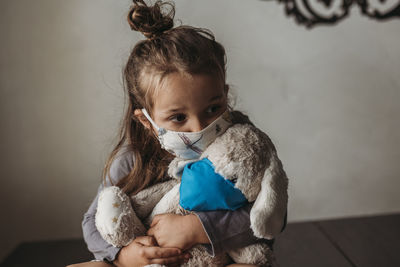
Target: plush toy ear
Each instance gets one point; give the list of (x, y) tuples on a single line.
[(115, 218), (268, 212)]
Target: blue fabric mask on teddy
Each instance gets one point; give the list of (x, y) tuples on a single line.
[(202, 189)]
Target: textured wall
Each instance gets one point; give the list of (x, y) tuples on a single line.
[(329, 99)]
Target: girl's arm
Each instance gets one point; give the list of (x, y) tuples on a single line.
[(140, 251), (219, 230), (96, 244), (227, 230)]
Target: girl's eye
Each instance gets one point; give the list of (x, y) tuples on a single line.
[(178, 118), (213, 109)]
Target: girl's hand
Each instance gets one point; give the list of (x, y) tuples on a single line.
[(144, 250), (173, 230)]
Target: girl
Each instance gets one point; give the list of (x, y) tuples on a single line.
[(178, 76)]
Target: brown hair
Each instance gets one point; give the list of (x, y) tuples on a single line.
[(183, 49)]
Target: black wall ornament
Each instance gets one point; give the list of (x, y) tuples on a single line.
[(313, 12)]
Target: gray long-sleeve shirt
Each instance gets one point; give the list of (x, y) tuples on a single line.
[(225, 229)]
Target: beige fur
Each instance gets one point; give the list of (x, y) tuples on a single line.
[(244, 154), (252, 161), (116, 221)]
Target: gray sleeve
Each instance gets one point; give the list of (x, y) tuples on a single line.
[(95, 243), (227, 230)]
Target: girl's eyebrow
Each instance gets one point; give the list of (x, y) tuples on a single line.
[(176, 109), (215, 97), (172, 110)]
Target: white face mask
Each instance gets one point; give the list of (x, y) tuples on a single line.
[(190, 145)]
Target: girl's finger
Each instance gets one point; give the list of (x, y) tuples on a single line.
[(147, 241), (155, 220), (150, 232)]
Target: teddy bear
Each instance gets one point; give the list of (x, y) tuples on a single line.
[(244, 156)]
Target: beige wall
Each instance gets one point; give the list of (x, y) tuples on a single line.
[(329, 99)]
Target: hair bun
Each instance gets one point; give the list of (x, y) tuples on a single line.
[(151, 21)]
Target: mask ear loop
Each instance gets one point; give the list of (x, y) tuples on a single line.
[(160, 130)]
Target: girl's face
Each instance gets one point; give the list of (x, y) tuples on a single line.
[(187, 103)]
